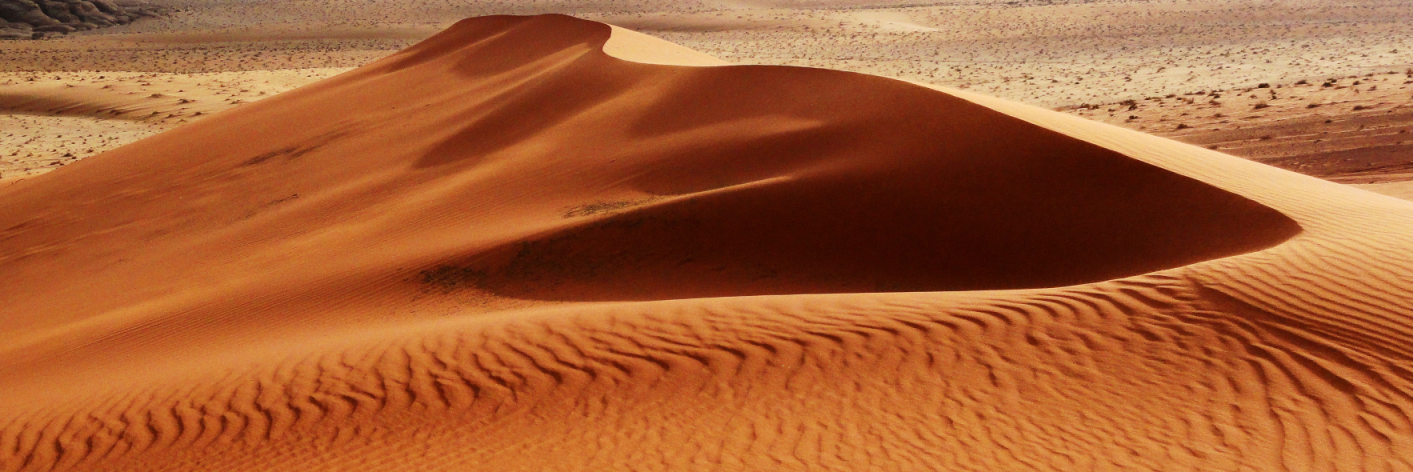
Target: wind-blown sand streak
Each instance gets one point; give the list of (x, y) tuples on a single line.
[(505, 249)]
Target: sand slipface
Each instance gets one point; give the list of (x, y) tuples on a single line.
[(508, 249)]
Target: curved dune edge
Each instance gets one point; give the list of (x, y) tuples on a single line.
[(1292, 357), (633, 46)]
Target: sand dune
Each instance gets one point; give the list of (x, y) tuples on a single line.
[(531, 243), (55, 118), (143, 96), (103, 101), (1053, 54)]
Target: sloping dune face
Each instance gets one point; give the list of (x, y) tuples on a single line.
[(504, 249), (515, 154)]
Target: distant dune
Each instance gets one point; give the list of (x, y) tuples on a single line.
[(544, 243)]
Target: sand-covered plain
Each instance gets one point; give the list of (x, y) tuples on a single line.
[(1353, 129)]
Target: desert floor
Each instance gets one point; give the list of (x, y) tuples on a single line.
[(1356, 130)]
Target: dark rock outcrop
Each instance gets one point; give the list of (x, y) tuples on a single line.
[(36, 19)]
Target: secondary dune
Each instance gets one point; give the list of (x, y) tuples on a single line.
[(150, 97), (53, 118), (507, 249)]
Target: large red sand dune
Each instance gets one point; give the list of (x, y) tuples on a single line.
[(506, 249)]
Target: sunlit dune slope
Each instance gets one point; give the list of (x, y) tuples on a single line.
[(506, 249)]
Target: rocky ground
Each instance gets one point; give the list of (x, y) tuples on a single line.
[(38, 19)]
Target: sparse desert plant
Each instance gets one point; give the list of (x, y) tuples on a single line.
[(1260, 105)]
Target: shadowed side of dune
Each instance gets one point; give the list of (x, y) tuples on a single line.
[(990, 222), (513, 156), (772, 180)]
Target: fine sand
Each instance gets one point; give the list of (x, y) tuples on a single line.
[(534, 243)]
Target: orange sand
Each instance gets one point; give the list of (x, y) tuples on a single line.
[(506, 249)]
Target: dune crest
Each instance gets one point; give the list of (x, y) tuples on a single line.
[(541, 243), (633, 46)]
